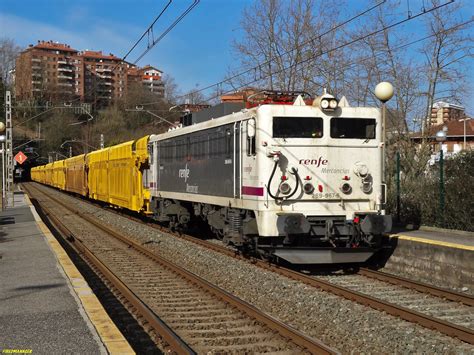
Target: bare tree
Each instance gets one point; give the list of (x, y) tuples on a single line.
[(8, 52), (445, 56), (171, 89), (194, 96), (281, 41)]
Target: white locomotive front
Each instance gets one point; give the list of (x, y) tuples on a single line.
[(301, 181)]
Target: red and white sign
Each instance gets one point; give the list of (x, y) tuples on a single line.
[(20, 157)]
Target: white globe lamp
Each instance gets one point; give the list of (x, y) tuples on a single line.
[(384, 91)]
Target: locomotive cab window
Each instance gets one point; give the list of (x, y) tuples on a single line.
[(297, 127), (358, 128)]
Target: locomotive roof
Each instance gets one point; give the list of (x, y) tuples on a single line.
[(349, 112), (233, 117)]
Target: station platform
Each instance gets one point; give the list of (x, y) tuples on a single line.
[(46, 306), (438, 256), (438, 236)]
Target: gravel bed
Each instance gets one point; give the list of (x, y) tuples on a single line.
[(337, 322), (438, 307)]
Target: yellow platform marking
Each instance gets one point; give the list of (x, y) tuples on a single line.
[(433, 242), (108, 332)]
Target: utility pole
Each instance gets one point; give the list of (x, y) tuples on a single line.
[(9, 143)]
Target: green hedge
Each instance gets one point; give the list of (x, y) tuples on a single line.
[(420, 191)]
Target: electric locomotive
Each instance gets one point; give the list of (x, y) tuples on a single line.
[(281, 175)]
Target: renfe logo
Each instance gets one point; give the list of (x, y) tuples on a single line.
[(317, 162), (184, 173)]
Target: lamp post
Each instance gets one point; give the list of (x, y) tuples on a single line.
[(441, 137), (384, 92)]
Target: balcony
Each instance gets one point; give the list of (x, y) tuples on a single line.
[(36, 67), (36, 75), (36, 60), (65, 69), (65, 84), (105, 75), (65, 77), (104, 90), (36, 82), (100, 70)]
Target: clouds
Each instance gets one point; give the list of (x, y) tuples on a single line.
[(81, 33), (193, 52)]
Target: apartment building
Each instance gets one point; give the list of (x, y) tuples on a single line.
[(46, 70), (101, 77), (442, 112), (151, 79), (53, 71)]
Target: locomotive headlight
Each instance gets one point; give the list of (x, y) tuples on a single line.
[(284, 188), (346, 188), (366, 187), (324, 104), (308, 188), (361, 170)]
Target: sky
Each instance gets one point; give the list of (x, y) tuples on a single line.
[(197, 52)]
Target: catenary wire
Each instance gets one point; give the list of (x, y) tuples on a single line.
[(356, 40), (310, 41)]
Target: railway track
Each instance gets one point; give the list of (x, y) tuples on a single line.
[(448, 312), (185, 312)]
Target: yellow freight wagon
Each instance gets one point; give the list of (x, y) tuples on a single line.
[(48, 174), (35, 174), (126, 164), (59, 175), (40, 174), (76, 174), (97, 176)]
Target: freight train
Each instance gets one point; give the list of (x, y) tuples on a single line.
[(280, 175)]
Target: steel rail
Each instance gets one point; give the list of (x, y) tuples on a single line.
[(418, 286), (160, 327), (463, 333), (453, 330), (312, 345), (450, 329)]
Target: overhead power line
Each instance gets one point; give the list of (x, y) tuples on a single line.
[(398, 23), (319, 54), (148, 30), (302, 45), (149, 33)]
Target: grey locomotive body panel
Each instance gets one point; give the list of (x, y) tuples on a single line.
[(202, 162)]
